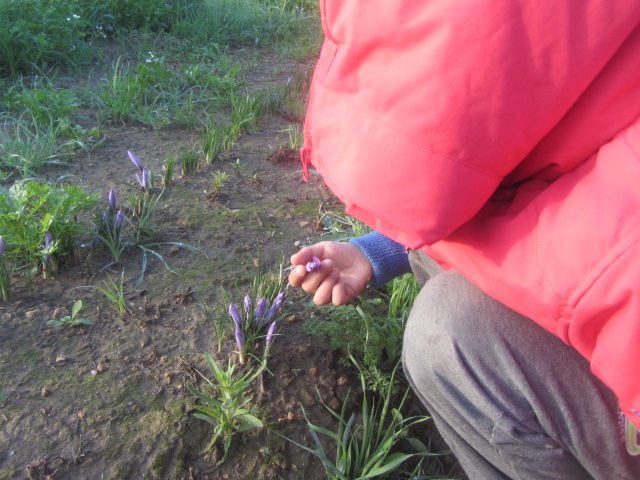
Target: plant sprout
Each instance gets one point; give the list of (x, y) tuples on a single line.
[(71, 320)]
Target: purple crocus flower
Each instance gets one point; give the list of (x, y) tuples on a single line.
[(112, 201), (143, 179), (135, 161), (273, 311), (240, 343), (235, 314), (1, 246), (247, 305), (279, 300), (313, 265), (119, 220), (48, 238), (259, 312), (271, 333)]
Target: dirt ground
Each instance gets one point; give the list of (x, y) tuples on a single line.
[(109, 401)]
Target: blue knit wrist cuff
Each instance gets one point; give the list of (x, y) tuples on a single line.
[(389, 259)]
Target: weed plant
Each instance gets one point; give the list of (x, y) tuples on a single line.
[(71, 320), (228, 409), (371, 330), (30, 209)]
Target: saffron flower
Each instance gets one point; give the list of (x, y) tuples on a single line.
[(247, 305), (119, 220), (273, 311), (143, 179), (48, 239), (271, 333), (313, 265), (235, 315), (112, 201), (135, 161), (258, 313)]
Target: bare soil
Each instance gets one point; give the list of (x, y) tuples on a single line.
[(109, 401)]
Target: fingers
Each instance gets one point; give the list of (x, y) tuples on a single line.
[(307, 253)]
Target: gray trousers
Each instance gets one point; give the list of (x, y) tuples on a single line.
[(511, 400)]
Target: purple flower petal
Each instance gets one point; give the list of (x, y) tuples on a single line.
[(239, 339), (119, 220), (313, 265), (135, 160), (112, 201), (248, 301), (235, 314), (271, 333), (259, 312)]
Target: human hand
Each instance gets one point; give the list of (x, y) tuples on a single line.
[(344, 272)]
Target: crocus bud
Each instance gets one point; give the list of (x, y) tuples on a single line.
[(235, 314), (119, 220), (143, 179), (313, 265), (112, 201), (135, 160), (271, 333), (259, 312), (240, 343), (279, 300), (1, 246), (48, 238), (247, 305)]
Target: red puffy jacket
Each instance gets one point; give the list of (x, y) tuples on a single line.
[(503, 137)]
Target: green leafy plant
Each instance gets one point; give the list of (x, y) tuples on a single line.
[(31, 209), (71, 320), (370, 330), (366, 447), (238, 166), (229, 410)]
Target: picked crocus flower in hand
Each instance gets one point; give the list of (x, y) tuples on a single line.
[(313, 265)]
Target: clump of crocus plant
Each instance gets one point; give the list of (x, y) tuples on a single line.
[(107, 228), (5, 279), (251, 324)]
